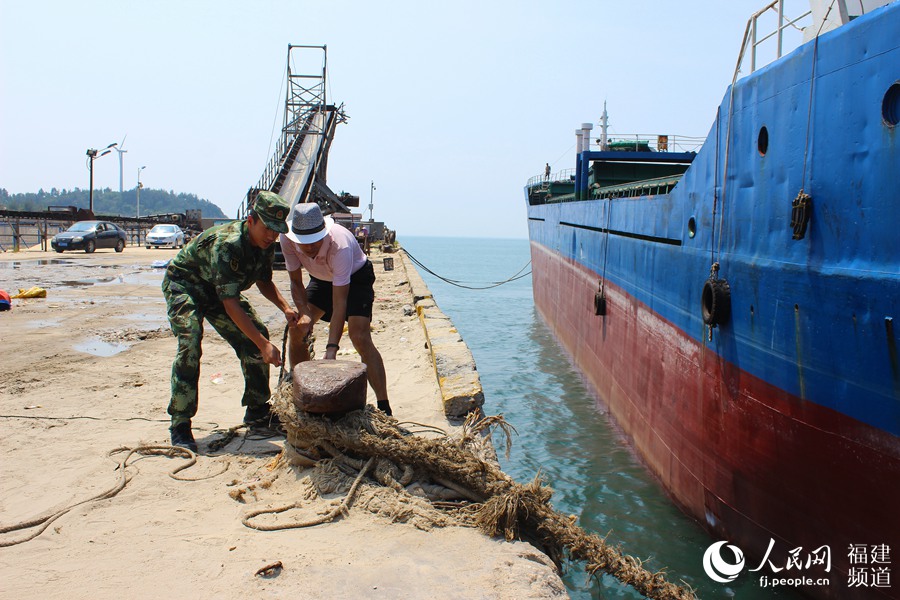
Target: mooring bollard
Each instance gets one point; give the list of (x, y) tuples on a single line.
[(329, 386)]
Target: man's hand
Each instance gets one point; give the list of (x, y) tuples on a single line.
[(270, 354), (292, 316), (302, 327)]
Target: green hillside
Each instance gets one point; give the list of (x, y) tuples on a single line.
[(109, 202)]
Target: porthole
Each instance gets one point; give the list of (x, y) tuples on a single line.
[(762, 141), (890, 106), (692, 227)]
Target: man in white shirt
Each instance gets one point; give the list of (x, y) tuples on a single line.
[(340, 289)]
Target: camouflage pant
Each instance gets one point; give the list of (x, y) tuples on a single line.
[(187, 307)]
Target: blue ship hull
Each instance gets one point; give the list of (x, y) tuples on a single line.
[(772, 410)]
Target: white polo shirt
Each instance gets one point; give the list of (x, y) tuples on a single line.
[(339, 257)]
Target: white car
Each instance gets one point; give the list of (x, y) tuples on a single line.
[(165, 235)]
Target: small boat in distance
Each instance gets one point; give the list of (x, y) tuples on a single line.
[(734, 305)]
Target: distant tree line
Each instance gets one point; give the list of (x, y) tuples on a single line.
[(109, 202)]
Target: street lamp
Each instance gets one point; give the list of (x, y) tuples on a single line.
[(92, 154), (371, 193), (140, 186), (138, 210)]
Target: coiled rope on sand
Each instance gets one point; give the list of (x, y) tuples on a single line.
[(43, 522), (501, 505)]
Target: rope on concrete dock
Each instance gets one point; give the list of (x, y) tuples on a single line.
[(342, 508), (502, 506)]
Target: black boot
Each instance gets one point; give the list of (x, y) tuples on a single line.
[(261, 419), (260, 415), (182, 436)]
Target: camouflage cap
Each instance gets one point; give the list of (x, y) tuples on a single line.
[(273, 210)]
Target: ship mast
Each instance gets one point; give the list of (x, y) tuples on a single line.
[(604, 125)]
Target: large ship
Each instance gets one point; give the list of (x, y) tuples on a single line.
[(734, 305)]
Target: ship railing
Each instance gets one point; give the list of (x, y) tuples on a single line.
[(635, 142), (564, 175), (783, 32), (645, 187), (646, 142)]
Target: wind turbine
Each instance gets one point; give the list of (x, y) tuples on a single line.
[(121, 152)]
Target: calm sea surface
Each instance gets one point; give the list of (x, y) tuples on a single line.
[(563, 431)]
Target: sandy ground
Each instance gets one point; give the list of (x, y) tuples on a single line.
[(86, 371)]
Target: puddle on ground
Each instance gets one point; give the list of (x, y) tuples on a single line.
[(152, 277), (115, 279), (98, 347), (134, 278), (18, 264)]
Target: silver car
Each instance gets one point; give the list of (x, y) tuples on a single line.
[(165, 235)]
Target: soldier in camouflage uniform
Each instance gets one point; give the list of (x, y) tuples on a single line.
[(205, 281)]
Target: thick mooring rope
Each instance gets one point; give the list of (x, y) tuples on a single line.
[(342, 508), (505, 507), (171, 451)]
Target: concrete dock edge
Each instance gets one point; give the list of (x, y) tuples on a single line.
[(454, 365)]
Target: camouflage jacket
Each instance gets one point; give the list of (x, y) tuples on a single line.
[(221, 262)]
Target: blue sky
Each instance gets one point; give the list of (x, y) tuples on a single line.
[(452, 105)]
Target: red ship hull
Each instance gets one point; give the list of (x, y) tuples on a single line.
[(751, 462)]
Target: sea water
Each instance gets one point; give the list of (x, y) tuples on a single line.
[(564, 434)]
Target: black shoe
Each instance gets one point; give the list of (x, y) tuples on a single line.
[(182, 436), (260, 415), (262, 421), (385, 407)]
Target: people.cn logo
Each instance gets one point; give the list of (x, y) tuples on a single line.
[(717, 567)]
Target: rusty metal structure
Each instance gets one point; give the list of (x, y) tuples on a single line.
[(298, 167)]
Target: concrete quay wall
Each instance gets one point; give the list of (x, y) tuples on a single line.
[(454, 365)]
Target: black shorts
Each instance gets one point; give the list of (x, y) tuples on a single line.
[(359, 299)]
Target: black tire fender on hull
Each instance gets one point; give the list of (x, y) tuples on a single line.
[(716, 302)]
